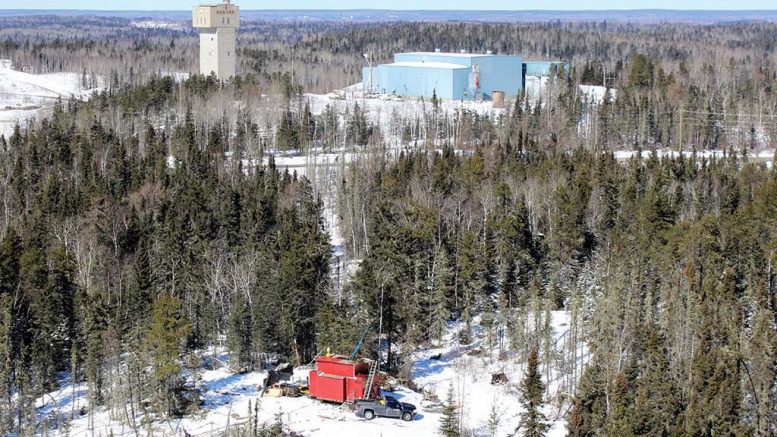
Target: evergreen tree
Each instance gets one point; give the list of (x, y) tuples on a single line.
[(764, 346), (449, 424), (6, 365), (533, 422), (470, 281), (164, 342), (440, 295), (656, 402), (240, 335)]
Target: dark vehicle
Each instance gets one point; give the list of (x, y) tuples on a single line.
[(386, 407)]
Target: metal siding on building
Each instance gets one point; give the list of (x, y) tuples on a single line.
[(419, 81), (543, 68), (407, 76), (460, 84), (416, 81), (499, 73)]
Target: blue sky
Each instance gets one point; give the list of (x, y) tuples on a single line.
[(395, 4)]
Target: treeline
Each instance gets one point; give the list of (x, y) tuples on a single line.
[(679, 86), (664, 264), (121, 51), (721, 65), (124, 256)]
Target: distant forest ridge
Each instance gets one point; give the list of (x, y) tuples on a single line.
[(373, 15)]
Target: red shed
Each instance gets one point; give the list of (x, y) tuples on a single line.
[(338, 379)]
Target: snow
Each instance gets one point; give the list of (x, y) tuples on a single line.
[(157, 24), (24, 95), (391, 112), (178, 76), (596, 93), (227, 397), (422, 64), (764, 155), (470, 377)]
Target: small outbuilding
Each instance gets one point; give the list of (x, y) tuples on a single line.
[(339, 379)]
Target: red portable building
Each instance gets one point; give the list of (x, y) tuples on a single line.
[(338, 379)]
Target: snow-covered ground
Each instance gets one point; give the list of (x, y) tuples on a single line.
[(758, 155), (436, 369), (158, 24), (595, 93), (226, 398), (24, 95)]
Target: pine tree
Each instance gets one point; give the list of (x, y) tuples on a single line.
[(92, 328), (619, 420), (656, 400), (439, 311), (6, 365), (494, 419), (470, 281), (533, 422), (60, 300), (240, 335), (164, 341), (449, 424), (764, 347), (287, 137)]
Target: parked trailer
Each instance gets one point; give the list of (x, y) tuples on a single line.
[(337, 378)]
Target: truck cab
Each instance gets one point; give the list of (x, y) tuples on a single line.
[(386, 407)]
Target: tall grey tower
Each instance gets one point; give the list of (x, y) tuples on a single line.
[(218, 25)]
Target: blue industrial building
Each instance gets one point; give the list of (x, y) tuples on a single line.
[(543, 68), (459, 76)]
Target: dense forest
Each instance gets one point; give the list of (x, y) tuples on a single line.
[(665, 265), (678, 86), (149, 223), (111, 254)]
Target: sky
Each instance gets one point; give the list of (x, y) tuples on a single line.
[(396, 4)]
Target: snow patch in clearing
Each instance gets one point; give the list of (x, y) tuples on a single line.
[(157, 24), (24, 95)]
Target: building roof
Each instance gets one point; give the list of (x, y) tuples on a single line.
[(462, 55), (422, 64)]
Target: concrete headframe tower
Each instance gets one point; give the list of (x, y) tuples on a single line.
[(217, 25)]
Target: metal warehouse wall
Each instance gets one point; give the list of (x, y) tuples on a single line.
[(542, 68), (497, 72), (408, 76), (448, 83), (500, 73)]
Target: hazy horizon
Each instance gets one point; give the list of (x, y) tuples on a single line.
[(647, 9)]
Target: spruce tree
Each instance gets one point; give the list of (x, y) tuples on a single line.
[(439, 305), (240, 335), (449, 424), (6, 364), (164, 342), (657, 393), (533, 422)]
